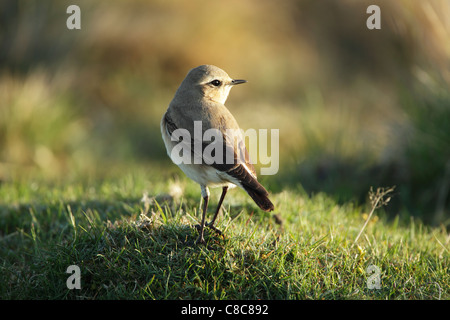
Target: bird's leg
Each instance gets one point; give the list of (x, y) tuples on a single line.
[(205, 194), (219, 206), (200, 238)]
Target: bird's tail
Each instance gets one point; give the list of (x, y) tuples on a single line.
[(260, 196)]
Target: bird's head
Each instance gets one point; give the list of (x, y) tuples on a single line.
[(211, 82)]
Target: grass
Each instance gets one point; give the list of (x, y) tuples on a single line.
[(130, 246)]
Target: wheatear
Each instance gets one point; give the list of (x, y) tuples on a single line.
[(198, 104)]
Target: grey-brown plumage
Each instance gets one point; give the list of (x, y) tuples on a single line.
[(201, 97)]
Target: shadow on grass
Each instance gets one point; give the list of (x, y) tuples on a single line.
[(124, 249)]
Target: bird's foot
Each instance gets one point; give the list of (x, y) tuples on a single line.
[(199, 228), (200, 240), (209, 225)]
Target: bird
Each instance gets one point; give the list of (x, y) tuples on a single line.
[(199, 104)]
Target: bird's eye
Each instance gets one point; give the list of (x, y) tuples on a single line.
[(216, 83)]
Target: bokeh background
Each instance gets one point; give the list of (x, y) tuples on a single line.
[(355, 107)]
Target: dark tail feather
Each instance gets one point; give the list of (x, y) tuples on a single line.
[(247, 180), (260, 197)]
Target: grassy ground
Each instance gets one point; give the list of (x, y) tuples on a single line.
[(132, 238), (355, 108)]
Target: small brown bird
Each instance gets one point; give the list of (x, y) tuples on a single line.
[(197, 111)]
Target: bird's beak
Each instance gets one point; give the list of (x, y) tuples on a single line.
[(233, 82)]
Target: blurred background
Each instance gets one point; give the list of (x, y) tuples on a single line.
[(355, 107)]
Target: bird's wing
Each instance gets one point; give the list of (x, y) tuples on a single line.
[(235, 166), (241, 171), (234, 159), (228, 142)]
